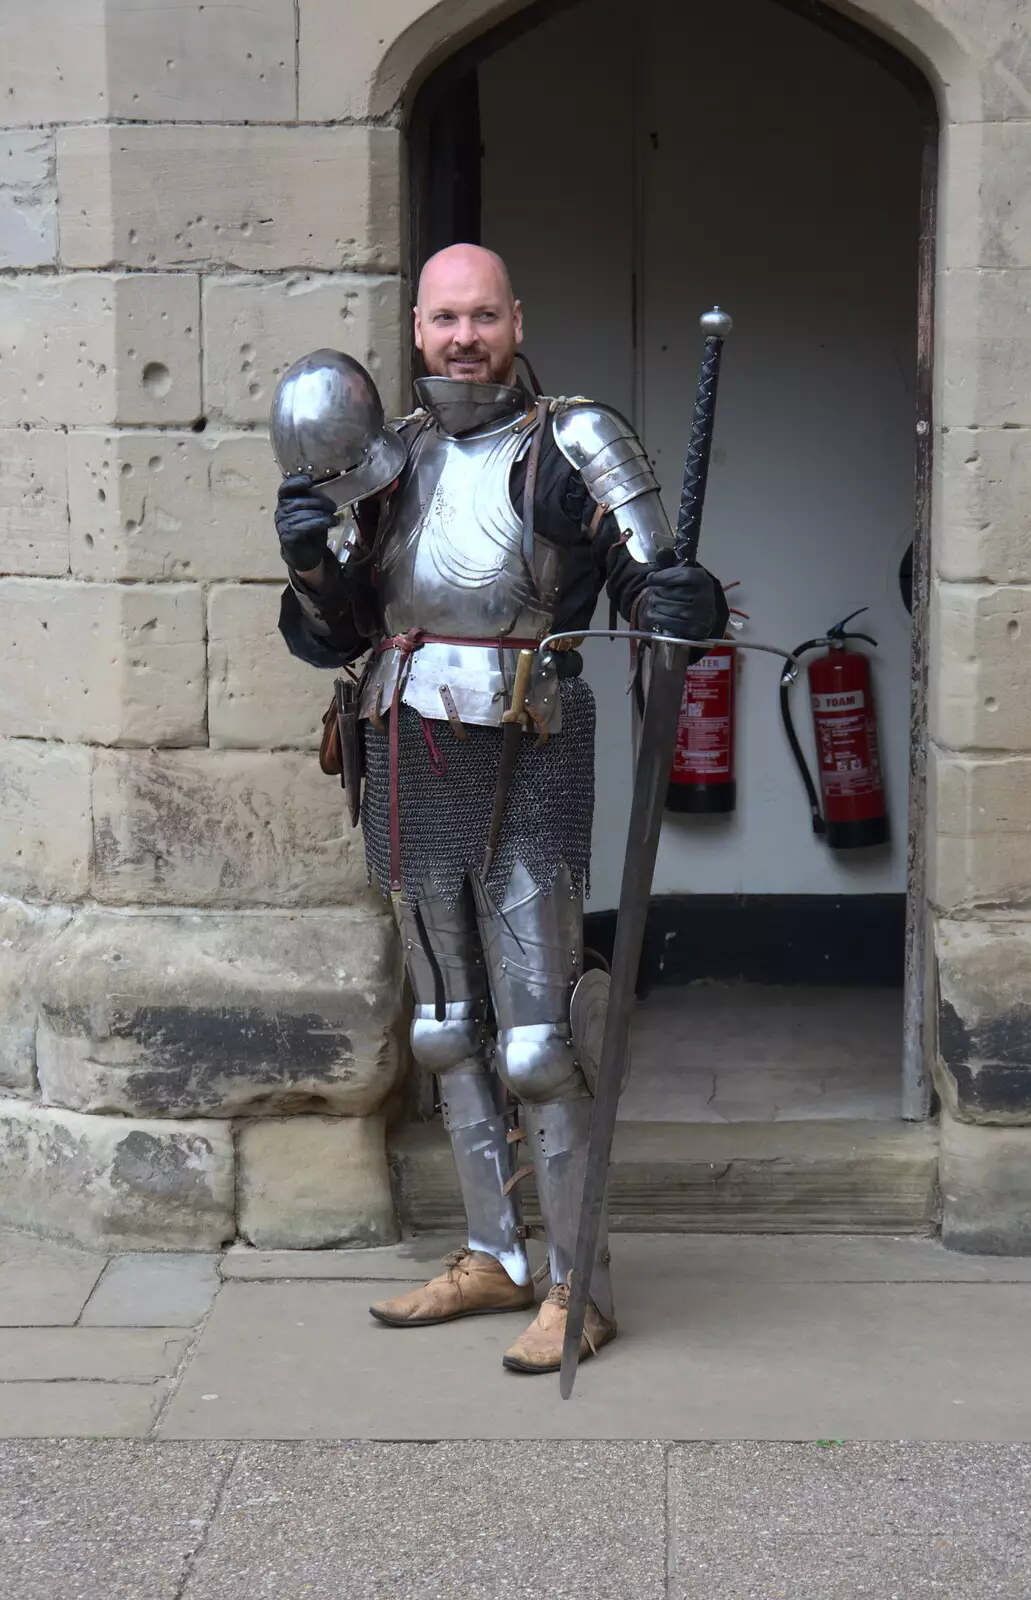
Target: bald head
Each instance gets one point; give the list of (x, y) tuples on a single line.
[(467, 322), (465, 264)]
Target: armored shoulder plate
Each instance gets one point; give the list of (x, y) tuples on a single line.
[(605, 450), (610, 458)]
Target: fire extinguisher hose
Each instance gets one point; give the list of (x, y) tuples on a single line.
[(787, 678)]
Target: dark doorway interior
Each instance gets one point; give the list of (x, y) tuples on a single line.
[(810, 219)]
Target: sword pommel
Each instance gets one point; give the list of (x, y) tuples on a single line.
[(715, 324)]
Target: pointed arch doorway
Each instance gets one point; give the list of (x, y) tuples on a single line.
[(633, 162)]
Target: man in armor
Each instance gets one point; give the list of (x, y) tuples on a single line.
[(485, 522)]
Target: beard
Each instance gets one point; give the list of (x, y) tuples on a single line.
[(475, 365)]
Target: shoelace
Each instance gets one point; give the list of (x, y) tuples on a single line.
[(558, 1295), (453, 1261)]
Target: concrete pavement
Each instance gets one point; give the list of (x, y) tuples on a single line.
[(585, 1520), (186, 1427)]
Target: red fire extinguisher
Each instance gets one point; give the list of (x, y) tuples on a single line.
[(701, 781), (845, 727)]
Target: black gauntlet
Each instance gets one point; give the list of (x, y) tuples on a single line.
[(683, 602), (303, 520)]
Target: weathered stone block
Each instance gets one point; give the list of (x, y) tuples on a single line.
[(308, 1183), (27, 935), (87, 347), (183, 62), (980, 832), (46, 833), (325, 93), (253, 197), (985, 1178), (255, 327), (221, 1015), (113, 1183), (985, 218), (33, 502), (28, 198), (223, 828), (978, 696), (983, 1068), (104, 663), (161, 505), (53, 61), (258, 694), (981, 507), (983, 367)]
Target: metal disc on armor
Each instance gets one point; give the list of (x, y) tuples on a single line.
[(587, 1011)]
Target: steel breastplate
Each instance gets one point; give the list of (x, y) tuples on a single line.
[(452, 564)]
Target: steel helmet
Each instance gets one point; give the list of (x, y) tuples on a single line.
[(327, 420)]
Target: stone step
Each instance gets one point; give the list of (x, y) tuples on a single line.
[(742, 1177)]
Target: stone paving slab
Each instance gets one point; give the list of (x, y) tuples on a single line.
[(44, 1284), (153, 1291), (78, 1410), (475, 1520), (531, 1521), (739, 1489), (408, 1262), (843, 1567), (774, 1258), (695, 1360), (126, 1355), (810, 1258), (85, 1520), (412, 1261)]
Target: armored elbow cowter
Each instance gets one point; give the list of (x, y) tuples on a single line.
[(610, 458)]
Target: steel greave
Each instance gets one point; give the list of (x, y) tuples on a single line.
[(478, 1128), (558, 1135)]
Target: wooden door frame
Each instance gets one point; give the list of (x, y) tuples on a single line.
[(434, 134)]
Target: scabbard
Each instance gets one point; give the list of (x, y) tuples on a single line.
[(349, 733), (511, 736)]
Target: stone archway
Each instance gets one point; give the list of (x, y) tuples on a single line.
[(949, 1013)]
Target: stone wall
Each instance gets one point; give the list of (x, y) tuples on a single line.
[(190, 196), (199, 997)]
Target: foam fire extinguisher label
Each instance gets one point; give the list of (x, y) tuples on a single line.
[(849, 762), (848, 700)]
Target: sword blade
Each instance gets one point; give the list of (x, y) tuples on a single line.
[(658, 739)]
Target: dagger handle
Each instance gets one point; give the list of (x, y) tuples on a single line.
[(524, 667), (716, 325)]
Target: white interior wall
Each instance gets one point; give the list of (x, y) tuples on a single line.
[(736, 154)]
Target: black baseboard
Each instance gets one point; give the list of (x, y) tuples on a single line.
[(855, 940)]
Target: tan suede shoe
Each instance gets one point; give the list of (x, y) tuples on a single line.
[(539, 1349), (473, 1284)]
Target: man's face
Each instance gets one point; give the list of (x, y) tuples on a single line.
[(466, 323)]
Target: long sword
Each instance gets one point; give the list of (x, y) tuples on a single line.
[(658, 737)]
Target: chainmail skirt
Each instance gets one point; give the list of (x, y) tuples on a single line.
[(446, 796)]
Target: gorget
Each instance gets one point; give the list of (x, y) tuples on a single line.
[(459, 407), (452, 564)]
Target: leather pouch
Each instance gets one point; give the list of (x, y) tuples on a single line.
[(340, 753)]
